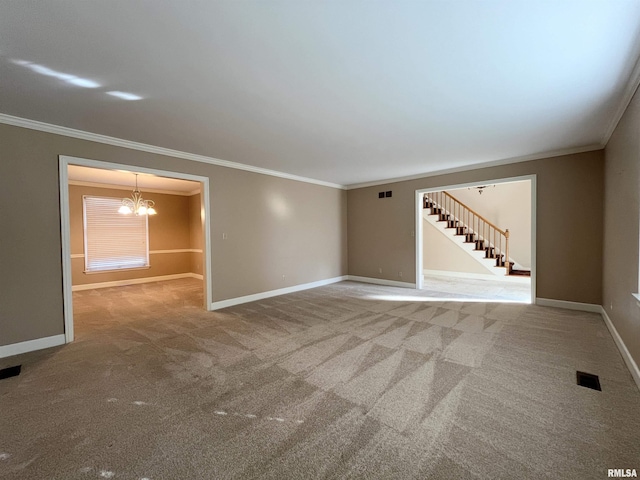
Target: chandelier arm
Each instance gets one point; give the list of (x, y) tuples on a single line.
[(136, 204)]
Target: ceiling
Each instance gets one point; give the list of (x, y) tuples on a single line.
[(344, 92), (122, 178)]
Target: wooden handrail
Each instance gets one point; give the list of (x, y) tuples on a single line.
[(475, 213)]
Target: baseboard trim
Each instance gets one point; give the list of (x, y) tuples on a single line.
[(274, 293), (31, 345), (590, 307), (177, 250), (380, 281), (134, 281), (624, 351), (478, 276), (583, 307), (153, 252)]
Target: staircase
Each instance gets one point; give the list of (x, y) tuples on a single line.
[(485, 240)]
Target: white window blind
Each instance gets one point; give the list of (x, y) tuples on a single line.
[(112, 240)]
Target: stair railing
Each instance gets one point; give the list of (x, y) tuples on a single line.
[(475, 227)]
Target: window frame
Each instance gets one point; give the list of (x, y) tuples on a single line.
[(90, 271)]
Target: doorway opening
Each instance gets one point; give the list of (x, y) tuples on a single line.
[(102, 248), (476, 241)]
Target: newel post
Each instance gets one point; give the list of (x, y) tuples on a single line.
[(508, 262)]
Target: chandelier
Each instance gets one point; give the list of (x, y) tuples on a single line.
[(481, 188), (136, 204)]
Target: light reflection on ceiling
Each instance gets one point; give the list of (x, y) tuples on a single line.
[(72, 79), (66, 77)]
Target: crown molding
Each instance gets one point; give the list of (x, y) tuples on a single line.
[(477, 166), (143, 147), (95, 137), (630, 90)]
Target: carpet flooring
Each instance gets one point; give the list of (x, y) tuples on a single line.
[(344, 381)]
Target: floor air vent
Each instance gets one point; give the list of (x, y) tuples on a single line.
[(10, 372), (588, 380)]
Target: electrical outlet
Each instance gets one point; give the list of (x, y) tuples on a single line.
[(400, 274), (224, 236), (413, 234), (284, 277), (380, 270)]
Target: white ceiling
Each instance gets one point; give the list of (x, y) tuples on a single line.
[(126, 179), (345, 92)]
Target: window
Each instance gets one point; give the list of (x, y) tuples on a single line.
[(113, 241)]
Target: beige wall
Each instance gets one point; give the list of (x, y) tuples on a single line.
[(441, 253), (507, 205), (169, 230), (275, 227), (621, 227), (569, 224)]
